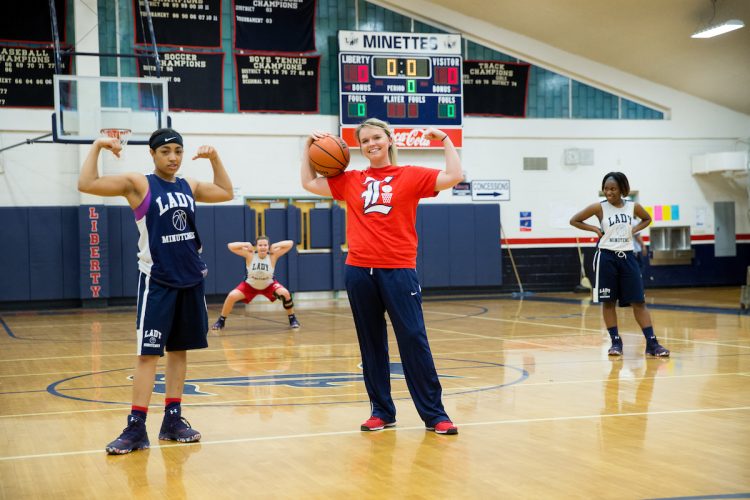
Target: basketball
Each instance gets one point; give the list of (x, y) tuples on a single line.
[(329, 156)]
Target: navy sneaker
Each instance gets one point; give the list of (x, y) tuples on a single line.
[(657, 350), (293, 323), (615, 350), (219, 325), (175, 428), (133, 437)]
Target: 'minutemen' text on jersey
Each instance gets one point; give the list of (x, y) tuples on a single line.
[(617, 226), (169, 246)]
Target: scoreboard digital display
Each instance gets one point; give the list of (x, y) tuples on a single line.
[(410, 80)]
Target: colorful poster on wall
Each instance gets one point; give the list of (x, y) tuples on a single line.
[(524, 222), (196, 80), (663, 212), (196, 23), (272, 26), (277, 83)]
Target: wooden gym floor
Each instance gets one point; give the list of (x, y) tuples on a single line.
[(543, 413)]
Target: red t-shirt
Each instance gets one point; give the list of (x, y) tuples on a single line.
[(382, 213)]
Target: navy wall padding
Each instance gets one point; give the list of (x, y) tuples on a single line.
[(250, 223), (320, 228), (276, 224), (318, 272), (460, 246), (117, 259), (229, 226), (14, 254), (129, 243), (487, 255), (434, 240), (70, 271), (338, 237), (45, 253), (287, 268), (204, 220)]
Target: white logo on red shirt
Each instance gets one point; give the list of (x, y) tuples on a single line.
[(372, 194)]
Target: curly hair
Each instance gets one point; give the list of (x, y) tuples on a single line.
[(621, 180)]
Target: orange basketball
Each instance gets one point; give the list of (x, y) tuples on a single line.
[(329, 156)]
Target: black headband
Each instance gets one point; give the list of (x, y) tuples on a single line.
[(167, 137)]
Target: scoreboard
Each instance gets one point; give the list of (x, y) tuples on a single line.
[(410, 80)]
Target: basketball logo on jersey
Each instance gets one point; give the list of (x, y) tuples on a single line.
[(376, 191), (179, 220)]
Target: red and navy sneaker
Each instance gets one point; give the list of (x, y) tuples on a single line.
[(444, 427), (658, 351), (175, 427), (375, 424), (133, 437)]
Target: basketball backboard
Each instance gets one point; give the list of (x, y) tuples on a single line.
[(86, 104)]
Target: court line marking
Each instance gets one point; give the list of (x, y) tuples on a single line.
[(446, 392), (394, 429)]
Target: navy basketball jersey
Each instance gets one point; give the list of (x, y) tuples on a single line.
[(169, 246)]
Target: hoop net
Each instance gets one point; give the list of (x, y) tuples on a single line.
[(123, 134)]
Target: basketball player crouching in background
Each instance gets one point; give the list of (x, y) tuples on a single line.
[(171, 310), (260, 263)]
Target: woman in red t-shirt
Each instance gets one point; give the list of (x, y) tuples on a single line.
[(381, 213)]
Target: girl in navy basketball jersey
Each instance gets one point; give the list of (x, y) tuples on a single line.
[(618, 275), (171, 312)]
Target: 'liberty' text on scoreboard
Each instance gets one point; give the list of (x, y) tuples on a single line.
[(410, 80)]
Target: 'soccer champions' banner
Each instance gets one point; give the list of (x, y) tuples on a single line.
[(274, 25), (196, 80)]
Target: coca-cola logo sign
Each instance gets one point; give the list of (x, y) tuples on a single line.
[(413, 138), (408, 138)]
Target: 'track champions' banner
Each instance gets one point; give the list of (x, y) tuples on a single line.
[(495, 88)]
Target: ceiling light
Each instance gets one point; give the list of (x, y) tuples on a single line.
[(725, 27)]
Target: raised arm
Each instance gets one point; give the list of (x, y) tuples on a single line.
[(578, 219), (453, 173), (241, 248), (310, 179), (221, 188), (281, 247), (641, 213), (130, 185)]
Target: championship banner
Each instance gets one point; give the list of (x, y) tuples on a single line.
[(277, 83), (26, 77), (194, 23), (274, 25), (495, 88), (196, 80), (407, 138), (29, 21)]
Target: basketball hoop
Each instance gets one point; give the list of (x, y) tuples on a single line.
[(123, 134)]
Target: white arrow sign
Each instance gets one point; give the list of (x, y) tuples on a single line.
[(498, 190)]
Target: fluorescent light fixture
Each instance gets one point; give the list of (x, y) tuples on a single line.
[(725, 27)]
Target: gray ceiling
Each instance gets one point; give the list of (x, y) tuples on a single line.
[(647, 38)]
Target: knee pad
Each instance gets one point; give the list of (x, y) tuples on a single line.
[(288, 304)]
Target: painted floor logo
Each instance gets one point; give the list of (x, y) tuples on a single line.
[(483, 375)]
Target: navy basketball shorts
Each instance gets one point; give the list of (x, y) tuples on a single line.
[(618, 277), (171, 319)]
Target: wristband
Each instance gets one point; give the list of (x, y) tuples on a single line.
[(444, 138)]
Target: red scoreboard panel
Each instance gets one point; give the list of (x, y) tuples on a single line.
[(411, 80)]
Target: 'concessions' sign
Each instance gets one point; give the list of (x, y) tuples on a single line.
[(495, 88), (26, 77), (194, 23), (274, 25), (29, 21), (277, 83), (196, 80), (408, 138)]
